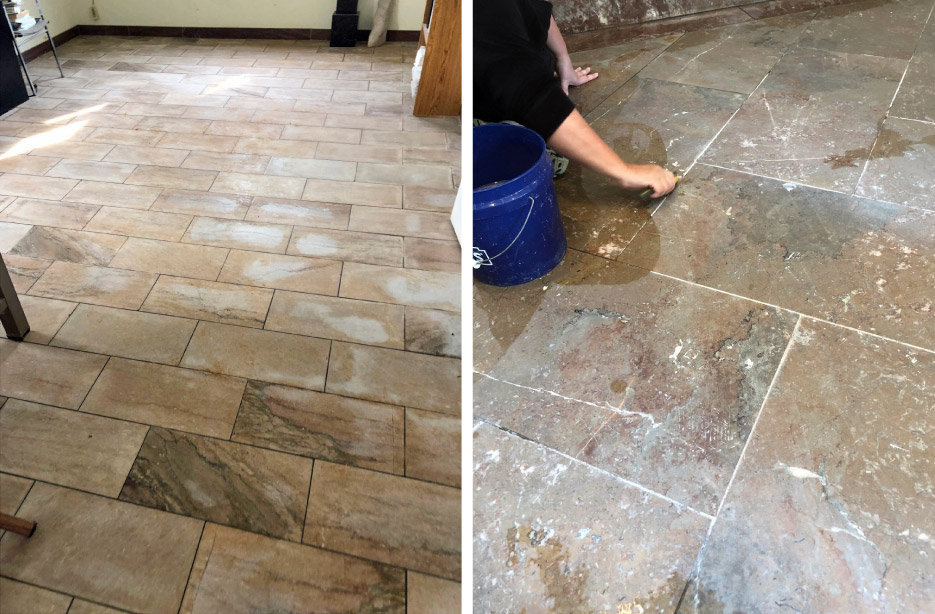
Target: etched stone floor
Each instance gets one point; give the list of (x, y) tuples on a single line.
[(241, 391), (724, 401)]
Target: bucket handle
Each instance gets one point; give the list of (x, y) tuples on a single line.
[(480, 255)]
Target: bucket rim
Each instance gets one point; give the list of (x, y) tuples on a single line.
[(528, 171)]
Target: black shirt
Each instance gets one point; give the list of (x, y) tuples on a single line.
[(514, 72)]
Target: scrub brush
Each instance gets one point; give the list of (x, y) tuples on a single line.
[(647, 193)]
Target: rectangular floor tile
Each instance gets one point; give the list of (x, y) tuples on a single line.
[(165, 396), (258, 354), (868, 27), (68, 245), (229, 162), (13, 490), (238, 570), (236, 234), (385, 518), (24, 272), (401, 222), (321, 135), (406, 139), (314, 169), (352, 193), (48, 213), (91, 170), (433, 447), (312, 275), (391, 376), (428, 199), (348, 246), (211, 301), (229, 483), (198, 142), (431, 254), (95, 285), (431, 289), (259, 185), (114, 194), (230, 206), (26, 165), (52, 188), (916, 96), (47, 375), (430, 595), (899, 167), (299, 213), (337, 318), (276, 147), (45, 316), (431, 331), (405, 174), (146, 155), (145, 224), (68, 448), (95, 532), (119, 136), (359, 153), (129, 334), (197, 261), (20, 597), (163, 177)]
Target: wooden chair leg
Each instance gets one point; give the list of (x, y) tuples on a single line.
[(11, 312), (17, 525)]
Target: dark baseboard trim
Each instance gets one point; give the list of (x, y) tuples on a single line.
[(246, 33), (45, 47)]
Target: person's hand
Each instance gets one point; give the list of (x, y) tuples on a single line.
[(643, 176), (569, 75)]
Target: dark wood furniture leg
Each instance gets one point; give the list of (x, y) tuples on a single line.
[(17, 525), (11, 312)]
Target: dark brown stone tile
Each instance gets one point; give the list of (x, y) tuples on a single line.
[(553, 535), (862, 263), (830, 509), (901, 164), (774, 8), (916, 97), (872, 27)]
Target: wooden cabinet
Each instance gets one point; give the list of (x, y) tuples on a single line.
[(439, 90)]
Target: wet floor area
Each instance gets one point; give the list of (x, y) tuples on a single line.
[(725, 401)]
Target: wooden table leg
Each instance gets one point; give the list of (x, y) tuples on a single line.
[(17, 525), (11, 312)]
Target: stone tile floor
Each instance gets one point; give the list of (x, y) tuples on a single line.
[(723, 402), (241, 389)]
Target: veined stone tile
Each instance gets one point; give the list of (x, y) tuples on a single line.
[(210, 301), (119, 136), (348, 246), (229, 483), (228, 162), (283, 272), (431, 595), (342, 319), (238, 235), (432, 254), (91, 170), (68, 448), (358, 153), (431, 289), (145, 224), (45, 316), (833, 493), (405, 174), (311, 168), (385, 518), (146, 155), (326, 426), (198, 142), (129, 334), (94, 285), (10, 235), (869, 27), (299, 213), (230, 206), (13, 490), (182, 178), (431, 331), (26, 165), (433, 447), (392, 376), (259, 354), (428, 199), (52, 188), (179, 259), (95, 531), (20, 597), (68, 245), (165, 396), (238, 570), (259, 185), (114, 194), (276, 147), (47, 375), (72, 216), (538, 540), (899, 169), (24, 271)]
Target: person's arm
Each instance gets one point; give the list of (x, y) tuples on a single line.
[(577, 141), (567, 73)]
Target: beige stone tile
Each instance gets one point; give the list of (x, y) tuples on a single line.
[(292, 94), (196, 100), (80, 606), (235, 570), (314, 169), (259, 185), (146, 155), (289, 117), (47, 375), (392, 376), (198, 142), (299, 213), (431, 254), (228, 113), (230, 206), (145, 224), (405, 174), (274, 147), (430, 595), (431, 331), (405, 139), (52, 188), (368, 97), (11, 234), (114, 194), (284, 272), (245, 129), (325, 426), (75, 150), (433, 447), (314, 106), (96, 532), (228, 162), (236, 234), (321, 134), (153, 110), (170, 397), (129, 334), (210, 301), (348, 246), (406, 223), (428, 199), (431, 289), (182, 178), (337, 318), (19, 597), (27, 165), (371, 122), (200, 262), (45, 316), (420, 155), (48, 213), (359, 153), (91, 170), (258, 102), (350, 193), (68, 245), (13, 490), (24, 271), (385, 518), (119, 136), (95, 285), (68, 448), (174, 124), (260, 355)]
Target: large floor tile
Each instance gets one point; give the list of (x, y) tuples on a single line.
[(385, 518), (916, 96), (299, 213), (45, 316), (313, 275), (870, 27), (829, 509), (401, 222), (47, 375), (431, 595), (11, 234), (210, 301), (901, 163), (93, 248), (144, 224), (430, 289), (52, 188), (48, 213), (259, 354), (238, 235), (330, 427), (345, 245), (95, 285), (91, 170), (849, 260), (433, 447), (351, 193), (342, 319), (229, 483), (211, 204), (24, 271), (540, 546), (114, 194), (165, 396), (259, 185), (120, 554), (431, 254), (66, 447), (19, 597), (180, 178), (178, 259), (235, 570), (431, 331)]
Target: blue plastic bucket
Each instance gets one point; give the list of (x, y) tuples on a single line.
[(518, 232)]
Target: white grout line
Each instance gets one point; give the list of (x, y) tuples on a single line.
[(909, 119)]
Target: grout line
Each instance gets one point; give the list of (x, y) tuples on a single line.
[(308, 502), (909, 119), (191, 570)]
